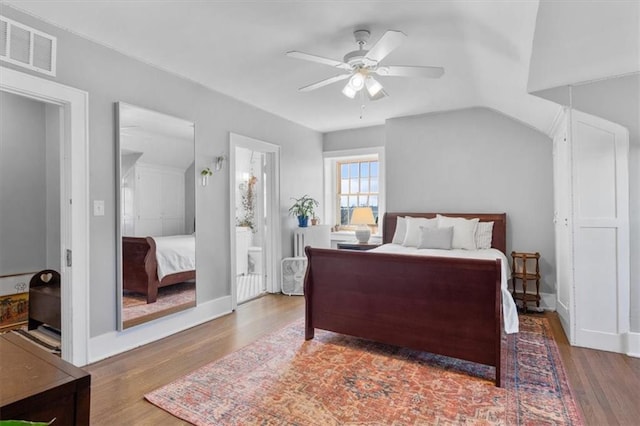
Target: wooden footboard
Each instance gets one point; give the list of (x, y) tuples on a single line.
[(445, 306), (140, 268)]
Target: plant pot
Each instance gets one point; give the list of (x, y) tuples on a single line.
[(314, 222), (303, 221)]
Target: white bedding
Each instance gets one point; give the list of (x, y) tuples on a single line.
[(509, 311), (176, 253)]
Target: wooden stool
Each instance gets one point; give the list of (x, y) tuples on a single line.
[(519, 271)]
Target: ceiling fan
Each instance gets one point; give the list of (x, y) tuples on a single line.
[(362, 65)]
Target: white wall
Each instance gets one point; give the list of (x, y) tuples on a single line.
[(480, 161), (108, 77), (365, 137), (23, 189)]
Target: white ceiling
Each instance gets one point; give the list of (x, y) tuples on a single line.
[(161, 139), (238, 48)]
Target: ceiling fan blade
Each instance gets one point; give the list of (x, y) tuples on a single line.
[(324, 82), (318, 59), (407, 71), (387, 43)]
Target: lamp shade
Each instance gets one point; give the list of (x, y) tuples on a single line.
[(362, 216)]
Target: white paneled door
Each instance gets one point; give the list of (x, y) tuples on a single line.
[(600, 156), (591, 180)]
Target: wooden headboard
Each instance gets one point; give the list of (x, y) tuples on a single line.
[(498, 241)]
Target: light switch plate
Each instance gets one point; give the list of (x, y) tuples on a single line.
[(98, 207)]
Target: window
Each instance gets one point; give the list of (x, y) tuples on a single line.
[(358, 185), (353, 178)]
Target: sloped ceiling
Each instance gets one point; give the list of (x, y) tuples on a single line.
[(578, 42), (238, 48)]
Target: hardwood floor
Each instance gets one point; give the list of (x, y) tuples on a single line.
[(605, 384)]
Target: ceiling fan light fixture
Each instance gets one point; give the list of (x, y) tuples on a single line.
[(373, 86)]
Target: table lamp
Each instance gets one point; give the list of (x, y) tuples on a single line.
[(363, 217)]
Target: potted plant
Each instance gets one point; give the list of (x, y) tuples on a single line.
[(303, 209)]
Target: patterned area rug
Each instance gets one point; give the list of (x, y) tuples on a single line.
[(340, 380)]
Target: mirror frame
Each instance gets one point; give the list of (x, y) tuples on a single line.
[(118, 179)]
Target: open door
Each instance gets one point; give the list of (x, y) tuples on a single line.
[(255, 224)]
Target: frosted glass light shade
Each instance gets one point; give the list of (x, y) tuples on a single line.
[(356, 81), (373, 86), (348, 91)]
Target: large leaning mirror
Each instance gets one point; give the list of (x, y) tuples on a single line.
[(156, 224)]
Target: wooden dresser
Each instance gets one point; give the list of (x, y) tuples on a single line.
[(39, 386)]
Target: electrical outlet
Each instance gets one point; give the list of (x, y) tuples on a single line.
[(98, 207)]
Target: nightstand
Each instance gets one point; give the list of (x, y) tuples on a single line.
[(525, 267), (356, 246)]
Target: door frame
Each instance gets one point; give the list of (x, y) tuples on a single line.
[(272, 238), (74, 216)]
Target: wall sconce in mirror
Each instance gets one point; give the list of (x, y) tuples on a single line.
[(216, 166), (218, 162)]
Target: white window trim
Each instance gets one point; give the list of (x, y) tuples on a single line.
[(330, 185)]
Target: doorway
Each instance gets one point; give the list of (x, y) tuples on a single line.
[(255, 228), (72, 107), (30, 214)]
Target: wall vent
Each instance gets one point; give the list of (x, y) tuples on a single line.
[(27, 47)]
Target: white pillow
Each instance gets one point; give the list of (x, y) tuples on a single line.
[(413, 229), (401, 231), (464, 231), (435, 238), (484, 235)]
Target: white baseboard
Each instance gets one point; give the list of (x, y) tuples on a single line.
[(115, 342), (633, 344), (548, 301)]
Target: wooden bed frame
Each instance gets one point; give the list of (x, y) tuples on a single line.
[(140, 268), (441, 305)]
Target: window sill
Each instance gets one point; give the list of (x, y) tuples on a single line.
[(341, 236)]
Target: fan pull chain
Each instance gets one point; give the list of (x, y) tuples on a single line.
[(362, 105)]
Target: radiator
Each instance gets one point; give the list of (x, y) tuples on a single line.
[(314, 236)]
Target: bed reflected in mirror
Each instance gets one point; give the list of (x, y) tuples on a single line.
[(156, 224)]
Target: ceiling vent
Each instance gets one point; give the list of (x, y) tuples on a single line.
[(27, 47)]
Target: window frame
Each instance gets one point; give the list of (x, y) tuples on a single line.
[(338, 189), (331, 160)]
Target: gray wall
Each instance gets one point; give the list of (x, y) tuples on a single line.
[(109, 76), (52, 141), (476, 160), (23, 191), (365, 137)]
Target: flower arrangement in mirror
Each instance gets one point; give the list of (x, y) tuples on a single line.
[(248, 201)]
